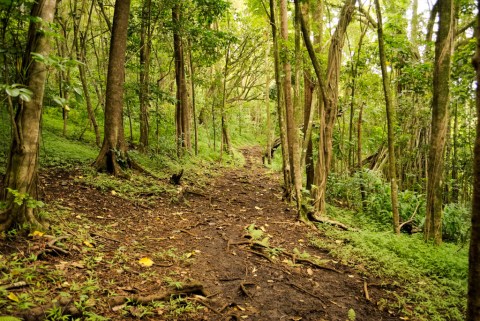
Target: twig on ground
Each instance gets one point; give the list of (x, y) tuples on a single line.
[(15, 285), (105, 237), (307, 292), (365, 290)]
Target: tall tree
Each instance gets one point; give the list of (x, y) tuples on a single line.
[(21, 177), (440, 111), (329, 93), (280, 111), (292, 136), (182, 112), (473, 306), (390, 121), (113, 154), (144, 92)]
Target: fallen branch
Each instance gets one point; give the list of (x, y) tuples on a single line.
[(410, 220), (15, 285)]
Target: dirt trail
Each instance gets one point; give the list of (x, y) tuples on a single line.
[(203, 238)]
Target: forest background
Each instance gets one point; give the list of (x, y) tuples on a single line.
[(371, 104)]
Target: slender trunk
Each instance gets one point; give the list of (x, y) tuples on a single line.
[(440, 110), (144, 90), (192, 84), (281, 121), (80, 48), (307, 146), (455, 187), (292, 137), (363, 193), (225, 134), (390, 122), (182, 109), (267, 104), (21, 175), (473, 306)]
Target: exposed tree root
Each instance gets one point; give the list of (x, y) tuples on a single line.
[(255, 244), (50, 247), (40, 313), (324, 220), (188, 289), (298, 287)]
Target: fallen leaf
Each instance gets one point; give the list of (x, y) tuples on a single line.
[(145, 261), (88, 244), (258, 208), (113, 192), (309, 271), (13, 297), (38, 233)]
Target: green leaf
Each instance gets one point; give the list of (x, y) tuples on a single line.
[(12, 92)]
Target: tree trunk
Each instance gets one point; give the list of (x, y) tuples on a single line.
[(22, 169), (225, 145), (182, 110), (473, 305), (390, 122), (281, 121), (267, 104), (192, 84), (363, 193), (113, 155), (80, 48), (144, 90), (440, 107), (307, 146), (292, 136), (455, 187), (329, 93)]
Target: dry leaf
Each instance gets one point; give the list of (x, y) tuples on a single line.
[(13, 297), (113, 192), (145, 261), (258, 208), (309, 271)]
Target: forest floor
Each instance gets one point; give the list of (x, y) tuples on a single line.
[(226, 249)]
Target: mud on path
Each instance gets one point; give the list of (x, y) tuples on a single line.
[(213, 236)]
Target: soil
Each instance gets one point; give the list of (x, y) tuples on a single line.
[(202, 238)]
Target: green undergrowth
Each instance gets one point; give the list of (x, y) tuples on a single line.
[(428, 282)]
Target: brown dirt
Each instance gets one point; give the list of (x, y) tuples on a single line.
[(203, 227)]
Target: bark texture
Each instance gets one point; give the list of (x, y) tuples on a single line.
[(22, 168), (182, 112), (281, 119), (292, 135), (329, 92), (473, 306), (144, 92), (440, 111), (390, 122), (113, 156)]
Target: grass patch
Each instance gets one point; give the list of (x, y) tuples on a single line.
[(432, 281)]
